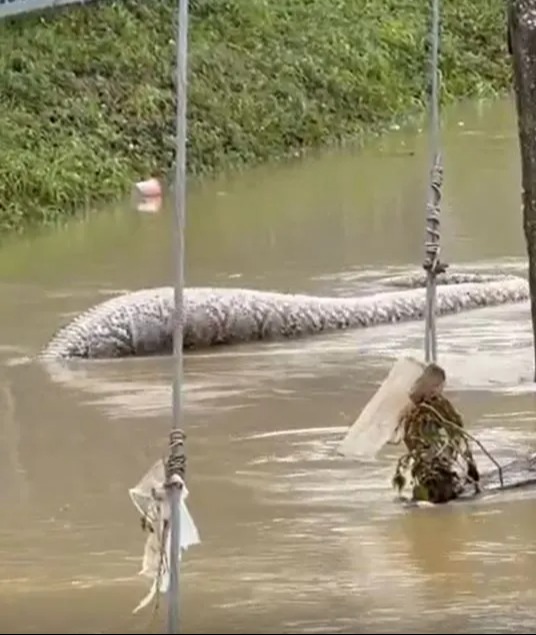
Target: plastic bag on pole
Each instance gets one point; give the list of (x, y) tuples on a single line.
[(150, 499)]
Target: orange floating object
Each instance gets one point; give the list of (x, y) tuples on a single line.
[(148, 196)]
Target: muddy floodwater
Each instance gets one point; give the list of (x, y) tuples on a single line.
[(294, 539)]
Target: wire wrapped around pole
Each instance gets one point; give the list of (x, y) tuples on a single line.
[(176, 463), (432, 263)]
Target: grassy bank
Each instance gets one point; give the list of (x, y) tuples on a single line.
[(87, 93)]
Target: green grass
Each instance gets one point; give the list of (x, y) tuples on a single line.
[(87, 97)]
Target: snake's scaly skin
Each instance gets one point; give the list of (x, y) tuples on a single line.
[(141, 323)]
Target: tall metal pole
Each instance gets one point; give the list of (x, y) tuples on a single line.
[(174, 489), (432, 263)]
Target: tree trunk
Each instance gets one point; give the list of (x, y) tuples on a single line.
[(522, 40)]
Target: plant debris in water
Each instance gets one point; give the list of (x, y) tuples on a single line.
[(437, 447)]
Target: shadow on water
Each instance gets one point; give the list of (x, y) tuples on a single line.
[(294, 539)]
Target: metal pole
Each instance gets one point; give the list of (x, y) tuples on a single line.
[(174, 490), (432, 264)]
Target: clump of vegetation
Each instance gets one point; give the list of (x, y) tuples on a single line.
[(87, 99)]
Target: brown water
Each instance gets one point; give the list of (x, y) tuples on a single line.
[(294, 539)]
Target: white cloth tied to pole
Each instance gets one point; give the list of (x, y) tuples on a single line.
[(150, 499)]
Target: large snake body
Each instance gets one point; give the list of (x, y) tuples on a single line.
[(141, 323)]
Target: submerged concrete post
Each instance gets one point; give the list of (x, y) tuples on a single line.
[(522, 43)]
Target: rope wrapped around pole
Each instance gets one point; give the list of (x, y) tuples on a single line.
[(432, 263)]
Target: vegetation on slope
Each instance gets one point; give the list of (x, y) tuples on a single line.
[(87, 96)]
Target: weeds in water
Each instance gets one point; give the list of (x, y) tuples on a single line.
[(87, 96)]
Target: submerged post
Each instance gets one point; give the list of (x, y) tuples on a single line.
[(175, 467), (522, 42), (432, 264)]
